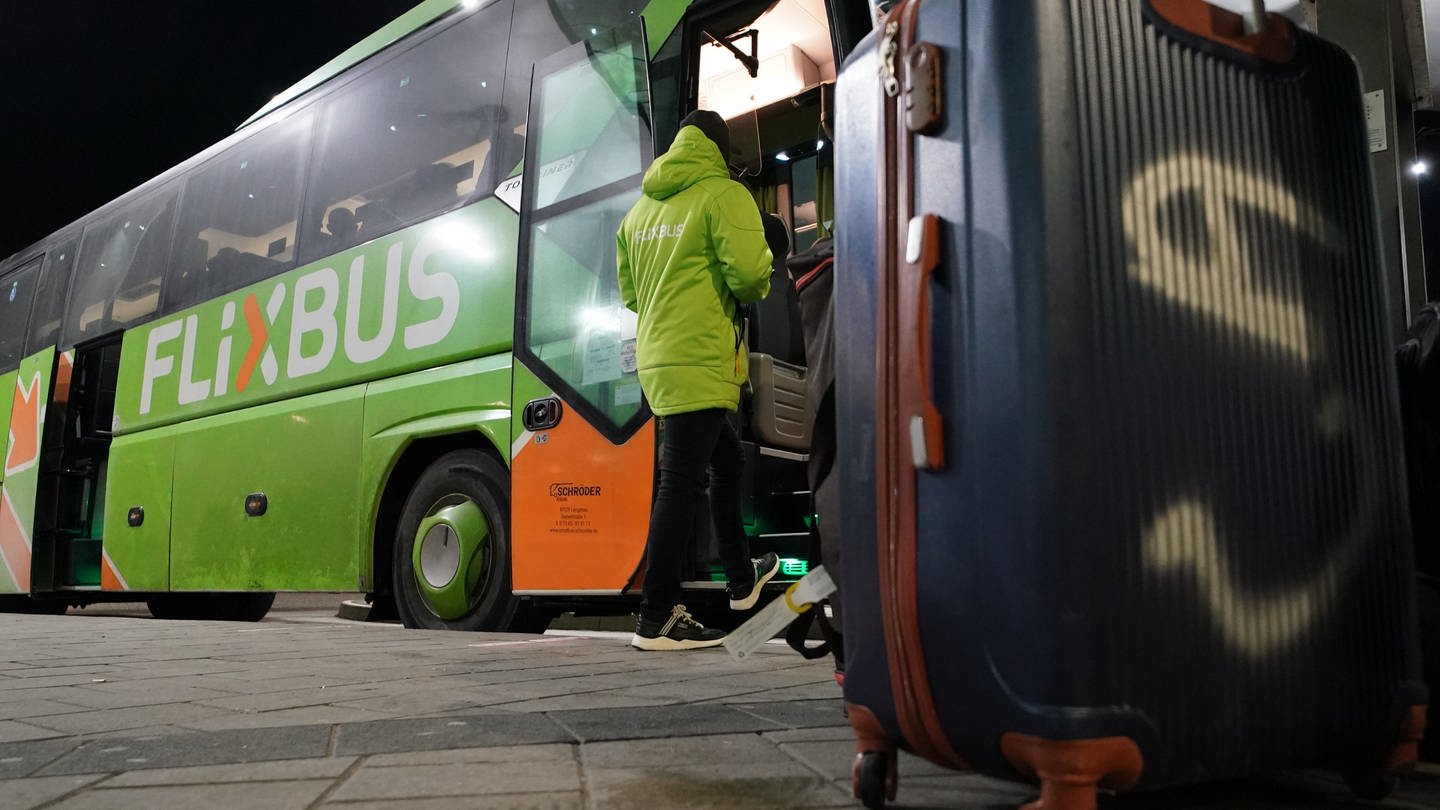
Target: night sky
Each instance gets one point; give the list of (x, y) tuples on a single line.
[(99, 96)]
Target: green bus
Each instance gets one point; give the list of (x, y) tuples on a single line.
[(373, 341)]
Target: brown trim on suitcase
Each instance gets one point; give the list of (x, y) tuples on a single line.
[(1070, 771), (1275, 44), (1406, 753), (896, 509)]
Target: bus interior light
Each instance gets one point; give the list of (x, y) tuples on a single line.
[(791, 567), (782, 156)]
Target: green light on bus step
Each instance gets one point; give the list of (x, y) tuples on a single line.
[(791, 567)]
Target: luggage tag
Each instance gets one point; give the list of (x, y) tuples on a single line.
[(776, 616)]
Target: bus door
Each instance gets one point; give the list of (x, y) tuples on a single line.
[(583, 453), (22, 406)]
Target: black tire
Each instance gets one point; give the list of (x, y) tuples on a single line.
[(449, 496), (870, 772), (213, 607)]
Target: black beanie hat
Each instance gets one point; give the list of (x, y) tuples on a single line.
[(714, 128)]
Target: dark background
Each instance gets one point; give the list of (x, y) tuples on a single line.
[(98, 96)]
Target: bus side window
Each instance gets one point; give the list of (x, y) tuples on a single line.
[(122, 260), (408, 138), (50, 297), (17, 290), (239, 215)]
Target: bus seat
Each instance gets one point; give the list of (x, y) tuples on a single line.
[(191, 267), (775, 327), (778, 415)]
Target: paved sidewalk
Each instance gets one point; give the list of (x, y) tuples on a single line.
[(306, 710)]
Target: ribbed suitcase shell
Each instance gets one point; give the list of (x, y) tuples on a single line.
[(1173, 505)]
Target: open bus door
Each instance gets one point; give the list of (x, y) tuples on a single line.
[(583, 457)]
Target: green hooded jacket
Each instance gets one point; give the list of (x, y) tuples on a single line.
[(689, 251)]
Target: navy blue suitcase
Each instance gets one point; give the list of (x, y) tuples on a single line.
[(1119, 443)]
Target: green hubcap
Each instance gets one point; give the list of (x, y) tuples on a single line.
[(449, 556)]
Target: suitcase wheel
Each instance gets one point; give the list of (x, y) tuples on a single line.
[(873, 778)]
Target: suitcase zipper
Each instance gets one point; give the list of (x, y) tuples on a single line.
[(896, 511)]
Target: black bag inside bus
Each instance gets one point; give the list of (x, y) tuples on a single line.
[(814, 278)]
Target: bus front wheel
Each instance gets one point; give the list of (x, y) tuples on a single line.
[(452, 547)]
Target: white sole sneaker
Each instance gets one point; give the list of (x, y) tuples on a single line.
[(665, 643), (749, 601)]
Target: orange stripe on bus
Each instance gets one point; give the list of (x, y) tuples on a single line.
[(24, 425), (109, 579), (258, 335), (64, 369), (13, 546)]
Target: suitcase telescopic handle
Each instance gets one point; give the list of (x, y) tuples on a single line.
[(926, 429)]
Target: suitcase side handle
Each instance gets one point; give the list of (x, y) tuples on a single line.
[(922, 256), (1274, 43)]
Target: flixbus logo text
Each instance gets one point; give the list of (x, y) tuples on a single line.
[(330, 314)]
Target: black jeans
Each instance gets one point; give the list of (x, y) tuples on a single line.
[(693, 442)]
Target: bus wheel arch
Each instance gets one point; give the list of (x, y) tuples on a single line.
[(450, 552)]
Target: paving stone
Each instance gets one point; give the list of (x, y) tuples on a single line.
[(586, 700), (24, 758), (819, 734), (253, 796), (21, 794), (307, 716), (727, 750), (798, 713), (143, 733), (964, 792), (834, 758), (658, 721), (120, 719), (513, 801), (435, 701), (136, 693), (436, 733), (205, 748), (459, 779), (298, 698), (814, 691), (830, 758), (16, 731), (36, 708), (520, 754), (702, 787), (278, 771), (20, 685), (89, 671)]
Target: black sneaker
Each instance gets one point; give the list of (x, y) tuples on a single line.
[(679, 631), (744, 597)]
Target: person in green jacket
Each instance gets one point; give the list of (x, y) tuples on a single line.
[(690, 251)]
